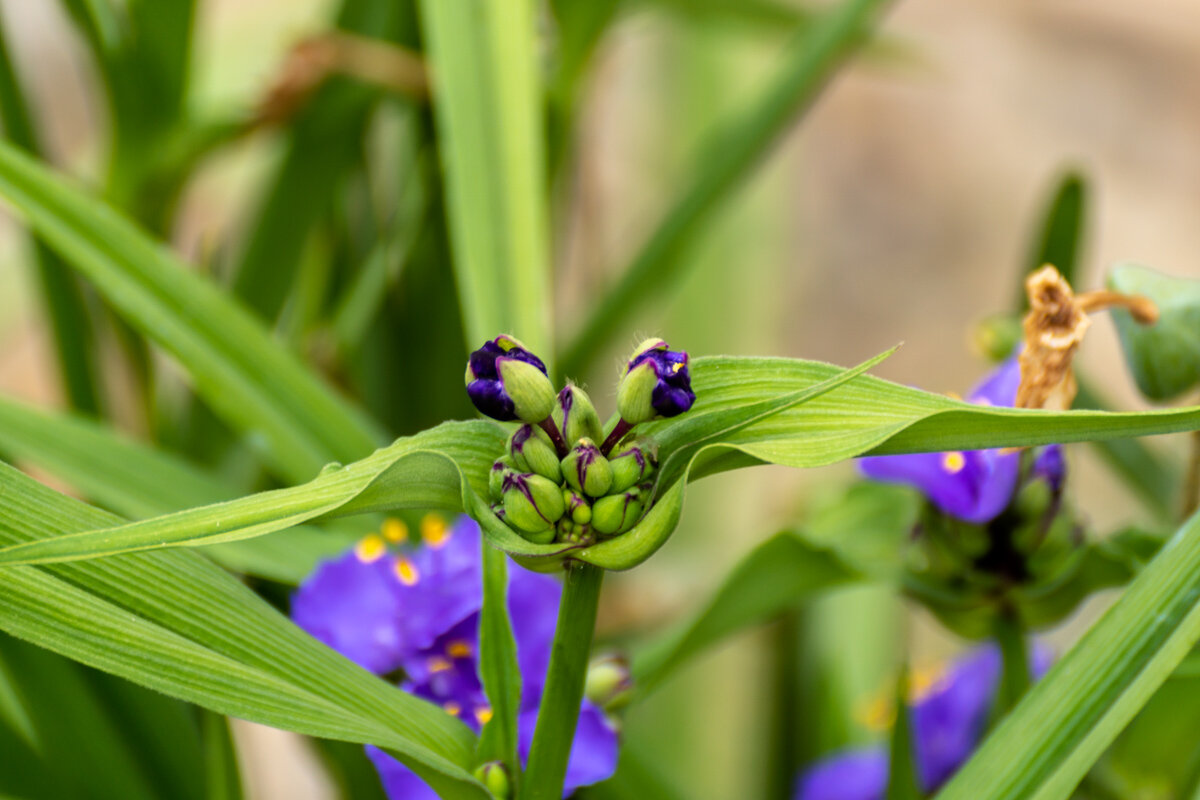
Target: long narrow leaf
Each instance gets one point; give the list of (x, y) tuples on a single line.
[(180, 625), (245, 376)]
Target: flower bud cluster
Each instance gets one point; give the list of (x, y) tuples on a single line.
[(554, 482)]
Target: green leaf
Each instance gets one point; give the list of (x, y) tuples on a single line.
[(222, 776), (483, 56), (1164, 357), (902, 768), (832, 414), (1059, 240), (727, 159), (180, 625), (777, 575), (1049, 741), (247, 378), (134, 480)]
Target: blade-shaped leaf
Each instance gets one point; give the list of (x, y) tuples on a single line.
[(842, 416), (247, 378), (488, 105), (777, 575), (134, 480), (180, 625), (1069, 717)]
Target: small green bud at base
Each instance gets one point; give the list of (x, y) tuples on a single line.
[(494, 777), (531, 391), (632, 465), (608, 682), (531, 503), (578, 508), (586, 470), (576, 416), (616, 513), (531, 450)]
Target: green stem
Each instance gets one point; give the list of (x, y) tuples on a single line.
[(1014, 658), (559, 713)]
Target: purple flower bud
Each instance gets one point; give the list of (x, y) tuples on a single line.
[(656, 383), (1050, 465), (506, 381)]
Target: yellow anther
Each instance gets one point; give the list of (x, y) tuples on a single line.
[(923, 680), (394, 530), (459, 649), (452, 708), (877, 714), (434, 531), (953, 462), (483, 715), (406, 571), (370, 548), (439, 664)]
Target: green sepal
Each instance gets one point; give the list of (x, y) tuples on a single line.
[(531, 391), (1164, 357), (531, 450)]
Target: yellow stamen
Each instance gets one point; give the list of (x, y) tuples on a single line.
[(370, 548), (406, 571), (434, 530), (394, 530), (953, 462), (439, 664), (483, 715), (452, 708), (878, 713), (459, 649)]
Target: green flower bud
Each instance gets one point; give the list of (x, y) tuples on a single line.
[(656, 383), (996, 336), (494, 776), (616, 513), (631, 465), (531, 450), (496, 476), (506, 381), (532, 504), (1164, 357), (531, 391), (609, 682), (575, 415), (585, 470), (578, 507)]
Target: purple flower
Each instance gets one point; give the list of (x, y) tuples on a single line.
[(948, 720), (506, 381), (975, 485), (417, 609), (656, 383)]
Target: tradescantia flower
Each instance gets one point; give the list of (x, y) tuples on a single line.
[(393, 607), (506, 381), (976, 485), (947, 720)]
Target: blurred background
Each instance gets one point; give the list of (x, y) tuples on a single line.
[(902, 207)]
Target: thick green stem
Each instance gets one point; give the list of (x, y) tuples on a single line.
[(1014, 657), (559, 713)]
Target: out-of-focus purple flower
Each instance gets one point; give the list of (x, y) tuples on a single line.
[(1051, 466), (976, 485), (657, 382), (947, 720), (506, 381), (417, 610)]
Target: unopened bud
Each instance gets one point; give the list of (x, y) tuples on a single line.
[(575, 415), (506, 381), (631, 465), (531, 450), (586, 470), (609, 682), (496, 476), (656, 383), (532, 503), (577, 507), (616, 513), (494, 777)]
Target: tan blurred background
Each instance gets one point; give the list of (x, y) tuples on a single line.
[(901, 209)]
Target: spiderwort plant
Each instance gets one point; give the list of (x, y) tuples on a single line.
[(413, 610)]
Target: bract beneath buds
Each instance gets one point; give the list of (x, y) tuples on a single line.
[(585, 470), (656, 383), (575, 415), (506, 381), (531, 450)]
